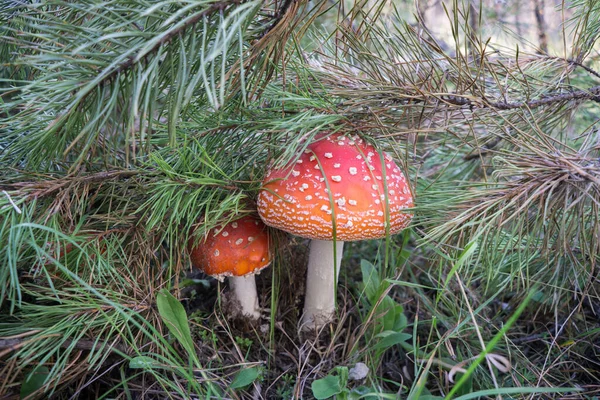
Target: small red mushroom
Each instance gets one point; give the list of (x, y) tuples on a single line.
[(340, 189), (237, 250)]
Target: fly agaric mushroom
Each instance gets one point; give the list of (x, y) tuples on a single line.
[(237, 250), (341, 188)]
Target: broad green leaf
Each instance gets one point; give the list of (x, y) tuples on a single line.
[(144, 362), (174, 316), (342, 375), (34, 381), (370, 279), (327, 387), (390, 339), (245, 377), (386, 313)]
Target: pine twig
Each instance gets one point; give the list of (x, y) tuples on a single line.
[(278, 17), (590, 94), (46, 188), (219, 6)]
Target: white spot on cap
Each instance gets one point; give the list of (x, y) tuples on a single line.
[(336, 178), (251, 239), (308, 198), (298, 161), (317, 166), (367, 178), (324, 208), (295, 173), (353, 170), (234, 224), (341, 202), (352, 202), (217, 253), (359, 157), (375, 187), (328, 155), (312, 158), (239, 241), (337, 165), (225, 234)]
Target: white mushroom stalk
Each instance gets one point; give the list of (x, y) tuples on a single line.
[(322, 276), (338, 180), (243, 289)]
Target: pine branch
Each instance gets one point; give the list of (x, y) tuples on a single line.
[(46, 188), (592, 93), (190, 22), (278, 17)]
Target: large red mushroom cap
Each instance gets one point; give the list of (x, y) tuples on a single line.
[(236, 249), (337, 177)]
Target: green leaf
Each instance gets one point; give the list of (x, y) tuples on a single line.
[(34, 381), (515, 390), (390, 339), (144, 362), (370, 280), (386, 313), (327, 387), (174, 316), (245, 377)]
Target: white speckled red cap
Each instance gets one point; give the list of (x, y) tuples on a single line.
[(341, 178), (237, 249)]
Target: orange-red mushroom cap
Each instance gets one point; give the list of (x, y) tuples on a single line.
[(237, 249), (337, 177)]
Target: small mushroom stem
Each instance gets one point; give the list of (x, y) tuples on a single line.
[(243, 289), (321, 280)]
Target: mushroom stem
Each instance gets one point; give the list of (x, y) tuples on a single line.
[(243, 289), (321, 280)]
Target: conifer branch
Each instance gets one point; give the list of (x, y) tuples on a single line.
[(590, 94), (45, 188), (278, 17), (216, 7)]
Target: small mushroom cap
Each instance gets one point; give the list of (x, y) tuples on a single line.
[(346, 173), (236, 249)]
